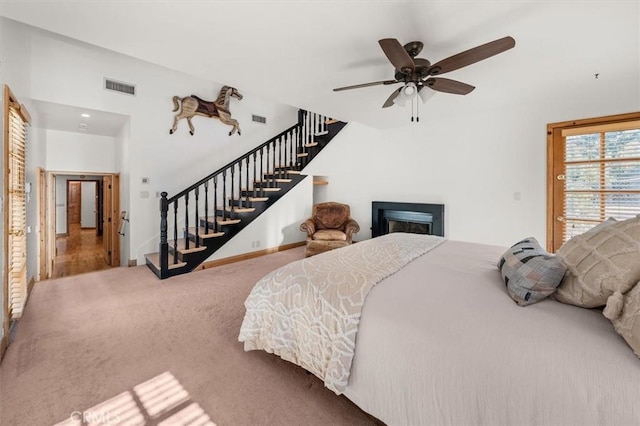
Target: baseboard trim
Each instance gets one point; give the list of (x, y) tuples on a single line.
[(30, 285), (246, 256), (3, 347)]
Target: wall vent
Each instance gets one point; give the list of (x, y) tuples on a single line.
[(119, 86), (259, 119)]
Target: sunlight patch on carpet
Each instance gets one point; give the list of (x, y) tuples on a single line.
[(160, 401)]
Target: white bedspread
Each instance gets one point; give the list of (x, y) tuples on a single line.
[(308, 311), (441, 343)]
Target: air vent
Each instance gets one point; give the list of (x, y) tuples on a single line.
[(119, 86), (259, 119)]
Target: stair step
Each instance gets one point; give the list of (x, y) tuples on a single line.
[(238, 209), (326, 132), (251, 199), (311, 144), (192, 246), (280, 180), (227, 221), (263, 189), (202, 234), (331, 121), (303, 154), (155, 259)]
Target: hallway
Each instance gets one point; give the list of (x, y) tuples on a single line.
[(79, 252)]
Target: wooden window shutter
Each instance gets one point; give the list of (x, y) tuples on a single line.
[(16, 205), (595, 174)]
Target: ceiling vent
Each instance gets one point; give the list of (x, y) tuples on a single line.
[(119, 86), (259, 119)]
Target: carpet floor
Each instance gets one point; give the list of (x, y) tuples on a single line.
[(122, 347)]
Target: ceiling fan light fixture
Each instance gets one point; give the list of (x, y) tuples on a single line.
[(409, 90), (425, 94)]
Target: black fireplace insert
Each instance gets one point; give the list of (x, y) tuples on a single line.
[(416, 218)]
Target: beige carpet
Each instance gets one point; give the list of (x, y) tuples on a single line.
[(120, 346)]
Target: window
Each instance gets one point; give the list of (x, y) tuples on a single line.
[(594, 174), (15, 119)]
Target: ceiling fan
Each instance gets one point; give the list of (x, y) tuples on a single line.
[(418, 73)]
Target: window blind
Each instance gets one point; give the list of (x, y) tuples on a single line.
[(602, 176), (17, 206)]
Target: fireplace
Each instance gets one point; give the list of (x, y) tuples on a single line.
[(416, 218)]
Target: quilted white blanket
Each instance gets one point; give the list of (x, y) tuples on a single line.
[(308, 312)]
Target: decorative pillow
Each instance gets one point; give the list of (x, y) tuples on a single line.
[(529, 272), (600, 262), (624, 313)]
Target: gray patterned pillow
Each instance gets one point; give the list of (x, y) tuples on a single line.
[(529, 272)]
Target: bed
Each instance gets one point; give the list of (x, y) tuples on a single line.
[(440, 342)]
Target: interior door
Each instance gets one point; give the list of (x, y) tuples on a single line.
[(107, 223), (111, 219), (73, 202)]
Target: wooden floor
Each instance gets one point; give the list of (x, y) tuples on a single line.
[(78, 253)]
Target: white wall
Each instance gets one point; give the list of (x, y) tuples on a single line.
[(72, 73), (473, 161), (80, 152)]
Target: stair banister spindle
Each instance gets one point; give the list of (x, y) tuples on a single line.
[(206, 207), (224, 194), (233, 195), (246, 194), (215, 203), (186, 221), (294, 137), (255, 156), (273, 168), (261, 172), (240, 203), (280, 163), (175, 231), (164, 246), (197, 216), (268, 167)]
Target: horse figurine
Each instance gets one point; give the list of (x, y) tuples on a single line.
[(193, 105)]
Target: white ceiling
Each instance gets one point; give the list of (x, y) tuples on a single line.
[(70, 119), (296, 52)]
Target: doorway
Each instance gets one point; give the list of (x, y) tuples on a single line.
[(83, 223)]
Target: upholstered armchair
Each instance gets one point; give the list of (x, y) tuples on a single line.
[(330, 226)]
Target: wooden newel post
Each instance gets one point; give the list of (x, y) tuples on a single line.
[(164, 246)]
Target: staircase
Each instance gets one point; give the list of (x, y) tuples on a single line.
[(199, 220)]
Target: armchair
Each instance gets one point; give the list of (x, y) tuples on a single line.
[(330, 226)]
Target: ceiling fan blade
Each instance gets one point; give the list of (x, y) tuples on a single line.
[(391, 98), (449, 86), (472, 56), (374, 83), (397, 55)]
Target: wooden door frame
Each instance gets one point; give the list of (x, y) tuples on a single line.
[(555, 154), (50, 216), (41, 273)]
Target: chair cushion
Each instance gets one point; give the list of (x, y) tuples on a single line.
[(599, 262), (331, 215), (329, 235)]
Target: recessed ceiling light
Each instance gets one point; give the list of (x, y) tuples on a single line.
[(85, 115)]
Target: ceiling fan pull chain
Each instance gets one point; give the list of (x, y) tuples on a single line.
[(412, 110), (417, 110)]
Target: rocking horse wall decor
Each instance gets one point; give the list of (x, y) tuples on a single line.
[(193, 105)]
